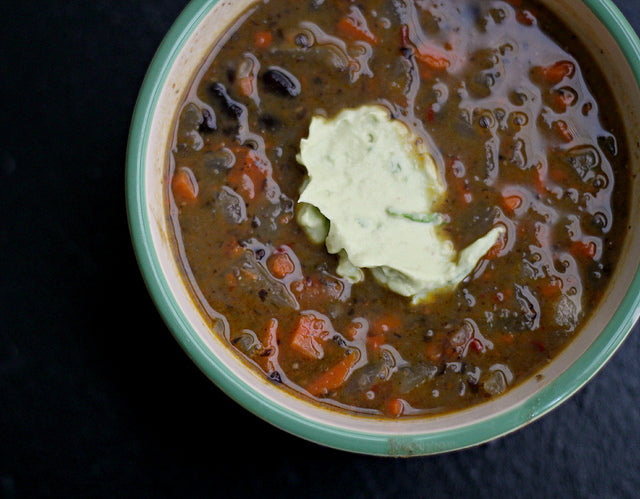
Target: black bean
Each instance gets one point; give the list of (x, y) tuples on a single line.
[(281, 82), (208, 123), (226, 104)]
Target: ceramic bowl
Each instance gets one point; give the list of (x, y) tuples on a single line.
[(613, 42)]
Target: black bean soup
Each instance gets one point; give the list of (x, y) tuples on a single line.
[(527, 134)]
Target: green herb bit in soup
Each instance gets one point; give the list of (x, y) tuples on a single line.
[(398, 209)]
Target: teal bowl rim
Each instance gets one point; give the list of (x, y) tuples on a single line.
[(549, 397)]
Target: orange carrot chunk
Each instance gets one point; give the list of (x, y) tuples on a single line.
[(263, 39), (334, 377), (184, 186), (395, 407), (280, 265), (433, 58), (558, 71), (308, 335), (585, 249), (245, 85), (356, 29), (248, 175), (564, 131), (512, 202)]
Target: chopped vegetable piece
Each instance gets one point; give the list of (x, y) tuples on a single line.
[(184, 186), (433, 57), (584, 249), (309, 334), (395, 407), (512, 202), (557, 72), (248, 175), (263, 39), (281, 265), (563, 130), (335, 376), (355, 26), (246, 86)]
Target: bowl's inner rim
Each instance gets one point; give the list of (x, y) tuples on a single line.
[(216, 357)]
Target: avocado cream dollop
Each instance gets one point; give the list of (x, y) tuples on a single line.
[(370, 195)]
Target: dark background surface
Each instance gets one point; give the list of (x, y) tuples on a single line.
[(96, 397)]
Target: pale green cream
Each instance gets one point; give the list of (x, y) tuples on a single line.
[(370, 196)]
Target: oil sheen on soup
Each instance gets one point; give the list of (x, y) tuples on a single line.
[(524, 134)]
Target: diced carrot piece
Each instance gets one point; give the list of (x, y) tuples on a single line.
[(248, 175), (585, 249), (356, 29), (395, 407), (558, 71), (334, 377), (308, 334), (246, 85), (184, 186), (563, 130), (263, 39), (433, 57), (512, 203), (280, 265)]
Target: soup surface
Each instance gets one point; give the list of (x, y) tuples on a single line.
[(524, 133)]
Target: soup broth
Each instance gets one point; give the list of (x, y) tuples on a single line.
[(525, 134)]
